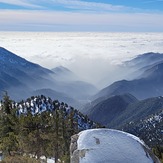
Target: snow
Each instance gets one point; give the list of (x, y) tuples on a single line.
[(105, 145), (50, 160)]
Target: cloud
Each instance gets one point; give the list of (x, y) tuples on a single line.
[(153, 1), (22, 3), (68, 4), (91, 55), (44, 20), (83, 5)]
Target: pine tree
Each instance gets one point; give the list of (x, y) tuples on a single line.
[(34, 134), (8, 127)]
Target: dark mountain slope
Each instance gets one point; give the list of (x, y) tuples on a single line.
[(20, 73), (109, 109), (139, 110), (118, 110), (148, 129), (14, 61)]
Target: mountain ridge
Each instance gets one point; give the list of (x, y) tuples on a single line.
[(116, 111), (19, 75), (148, 85)]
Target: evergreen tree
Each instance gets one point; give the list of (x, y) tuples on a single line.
[(8, 127), (34, 134)]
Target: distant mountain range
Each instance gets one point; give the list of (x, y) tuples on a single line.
[(22, 78), (144, 60), (147, 84)]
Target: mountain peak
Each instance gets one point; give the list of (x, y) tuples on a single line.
[(61, 69), (145, 59), (64, 74)]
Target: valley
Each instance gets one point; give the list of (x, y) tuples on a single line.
[(131, 105)]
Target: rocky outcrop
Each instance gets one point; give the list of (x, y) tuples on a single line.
[(74, 153), (109, 146)]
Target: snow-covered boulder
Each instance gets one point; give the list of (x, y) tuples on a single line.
[(109, 146)]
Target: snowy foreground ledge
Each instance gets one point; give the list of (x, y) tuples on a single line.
[(109, 146)]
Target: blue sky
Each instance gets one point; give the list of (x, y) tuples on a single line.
[(82, 15)]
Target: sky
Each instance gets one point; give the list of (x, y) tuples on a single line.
[(82, 15)]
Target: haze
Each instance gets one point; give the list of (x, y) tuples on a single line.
[(92, 56)]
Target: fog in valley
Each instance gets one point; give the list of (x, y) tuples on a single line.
[(94, 57)]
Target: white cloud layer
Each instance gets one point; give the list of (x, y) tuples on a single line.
[(91, 55)]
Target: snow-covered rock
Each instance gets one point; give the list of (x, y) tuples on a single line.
[(109, 146)]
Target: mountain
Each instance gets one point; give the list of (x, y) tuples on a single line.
[(118, 110), (144, 60), (109, 109), (39, 104), (60, 96), (109, 146), (60, 69), (39, 126), (67, 77), (139, 110), (150, 85), (18, 73), (64, 74), (149, 128), (81, 90), (20, 78)]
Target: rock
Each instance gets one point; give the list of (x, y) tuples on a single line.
[(109, 146)]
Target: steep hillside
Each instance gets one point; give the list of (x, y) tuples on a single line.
[(149, 128), (109, 109), (121, 109), (38, 104), (139, 110), (18, 75)]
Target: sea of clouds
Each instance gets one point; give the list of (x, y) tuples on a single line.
[(93, 56)]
